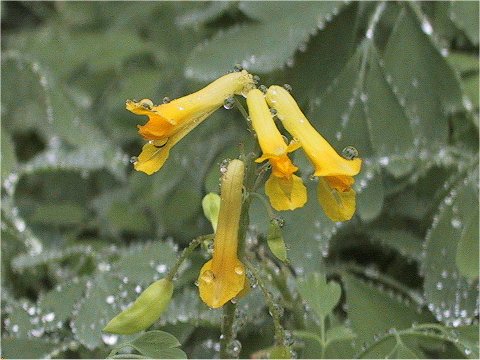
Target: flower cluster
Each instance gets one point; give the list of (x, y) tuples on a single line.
[(168, 123), (223, 277)]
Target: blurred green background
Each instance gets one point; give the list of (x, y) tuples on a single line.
[(82, 233)]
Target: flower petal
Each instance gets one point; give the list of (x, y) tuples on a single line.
[(218, 287), (338, 204), (286, 193)]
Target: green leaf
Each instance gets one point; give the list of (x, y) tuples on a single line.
[(59, 214), (211, 208), (402, 240), (97, 307), (158, 345), (321, 296), (143, 263), (370, 193), (404, 352), (463, 62), (340, 333), (8, 157), (286, 25), (55, 311), (365, 302), (431, 90), (466, 340), (452, 297), (275, 241), (24, 261), (465, 15), (360, 109), (467, 249), (13, 348)]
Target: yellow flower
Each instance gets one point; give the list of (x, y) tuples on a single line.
[(223, 277), (285, 190), (334, 191), (169, 123)]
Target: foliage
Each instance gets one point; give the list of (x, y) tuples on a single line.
[(83, 234)]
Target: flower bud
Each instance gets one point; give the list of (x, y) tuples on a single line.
[(147, 309)]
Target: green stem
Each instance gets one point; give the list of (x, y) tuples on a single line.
[(322, 336), (186, 253), (228, 334), (276, 317)]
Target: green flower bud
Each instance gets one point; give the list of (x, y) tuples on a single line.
[(148, 307)]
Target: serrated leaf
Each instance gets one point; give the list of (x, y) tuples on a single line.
[(465, 15), (65, 214), (143, 263), (23, 261), (13, 348), (467, 249), (365, 302), (452, 297), (431, 90), (370, 194), (321, 296), (360, 109), (285, 24), (340, 333), (55, 311), (158, 345), (404, 241), (97, 307)]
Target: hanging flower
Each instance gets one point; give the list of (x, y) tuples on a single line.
[(334, 191), (168, 123), (223, 277), (284, 189)]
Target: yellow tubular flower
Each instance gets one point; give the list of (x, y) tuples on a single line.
[(169, 123), (223, 277), (335, 194), (285, 190)]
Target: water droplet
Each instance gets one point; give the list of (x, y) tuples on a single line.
[(427, 27), (273, 111), (263, 89), (229, 103), (350, 153), (133, 159), (161, 268), (439, 285), (233, 348), (109, 339), (287, 87), (48, 317), (208, 276), (338, 135), (456, 223), (238, 270), (384, 161), (138, 289), (166, 100), (146, 104), (256, 79), (363, 97), (237, 68), (369, 33)]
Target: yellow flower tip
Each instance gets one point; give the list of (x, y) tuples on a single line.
[(219, 287), (336, 198), (326, 160), (151, 159), (286, 193)]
